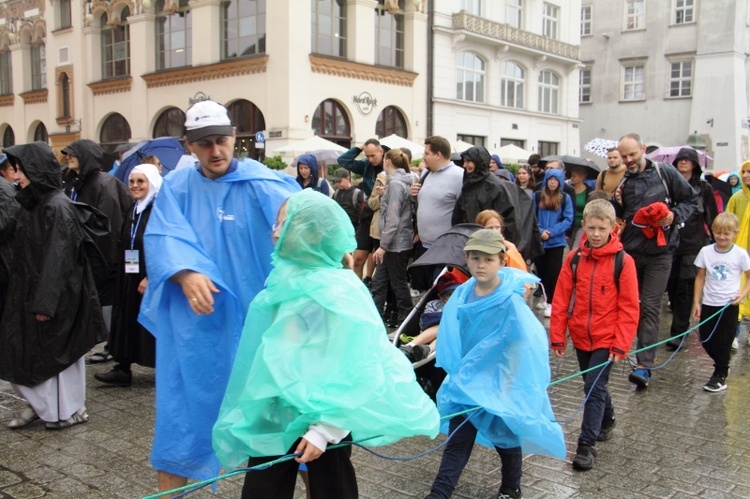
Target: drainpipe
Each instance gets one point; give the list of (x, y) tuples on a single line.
[(430, 63)]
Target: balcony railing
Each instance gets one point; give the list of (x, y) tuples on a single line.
[(505, 33)]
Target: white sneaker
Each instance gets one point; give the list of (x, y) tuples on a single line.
[(735, 344), (548, 311), (542, 305)]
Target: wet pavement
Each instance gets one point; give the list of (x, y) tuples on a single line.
[(672, 440)]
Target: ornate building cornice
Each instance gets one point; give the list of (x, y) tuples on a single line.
[(111, 86), (35, 96), (359, 71), (224, 69), (6, 100)]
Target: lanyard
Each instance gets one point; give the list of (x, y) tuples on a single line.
[(73, 194), (134, 227)]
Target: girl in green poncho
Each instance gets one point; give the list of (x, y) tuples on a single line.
[(314, 365)]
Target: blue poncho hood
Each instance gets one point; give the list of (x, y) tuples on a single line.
[(314, 350), (738, 187)]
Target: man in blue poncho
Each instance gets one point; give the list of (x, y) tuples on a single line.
[(209, 251)]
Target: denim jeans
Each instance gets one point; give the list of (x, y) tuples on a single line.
[(599, 404), (457, 454)]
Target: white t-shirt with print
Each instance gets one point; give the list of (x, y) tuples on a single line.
[(723, 273)]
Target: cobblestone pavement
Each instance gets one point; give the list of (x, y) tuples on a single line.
[(672, 440)]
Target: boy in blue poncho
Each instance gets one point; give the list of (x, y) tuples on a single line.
[(494, 351), (314, 365)]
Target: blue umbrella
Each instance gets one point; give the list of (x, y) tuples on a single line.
[(167, 149)]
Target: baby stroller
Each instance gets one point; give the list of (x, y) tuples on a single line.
[(446, 251)]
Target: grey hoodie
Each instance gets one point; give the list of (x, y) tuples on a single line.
[(396, 228)]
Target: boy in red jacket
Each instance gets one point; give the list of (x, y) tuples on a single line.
[(598, 303)]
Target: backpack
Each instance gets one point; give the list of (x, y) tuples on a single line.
[(97, 243), (619, 263)]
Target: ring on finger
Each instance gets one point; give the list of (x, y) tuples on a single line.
[(194, 299)]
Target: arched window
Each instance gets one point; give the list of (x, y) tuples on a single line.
[(511, 84), (391, 121), (243, 28), (174, 46), (329, 27), (170, 123), (9, 138), (549, 91), (40, 133), (115, 43), (6, 73), (331, 122), (389, 33), (38, 66), (248, 120), (115, 131), (469, 77)]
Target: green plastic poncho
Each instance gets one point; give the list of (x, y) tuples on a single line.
[(314, 350)]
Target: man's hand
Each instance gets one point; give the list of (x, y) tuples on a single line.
[(666, 221), (378, 255), (414, 189), (198, 289), (308, 450), (380, 190)]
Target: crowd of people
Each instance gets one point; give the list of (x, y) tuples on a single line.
[(251, 291)]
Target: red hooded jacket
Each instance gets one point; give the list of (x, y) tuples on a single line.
[(602, 316)]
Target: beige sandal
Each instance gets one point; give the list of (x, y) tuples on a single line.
[(27, 416)]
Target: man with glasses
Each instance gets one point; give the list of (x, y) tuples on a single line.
[(208, 247)]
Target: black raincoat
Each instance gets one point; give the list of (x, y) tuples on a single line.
[(8, 214), (51, 276), (484, 191), (697, 230), (104, 192)]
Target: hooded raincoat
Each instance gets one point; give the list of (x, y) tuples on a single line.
[(496, 355), (314, 350), (315, 182), (9, 208), (104, 192), (735, 188), (557, 222), (51, 276), (222, 229), (697, 230)]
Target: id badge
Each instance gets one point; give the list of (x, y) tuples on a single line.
[(132, 262)]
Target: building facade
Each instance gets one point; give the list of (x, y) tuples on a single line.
[(124, 70), (667, 69), (506, 72)]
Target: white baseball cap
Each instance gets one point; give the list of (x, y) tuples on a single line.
[(206, 118)]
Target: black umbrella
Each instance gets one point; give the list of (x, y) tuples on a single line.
[(448, 249), (592, 169), (719, 185)]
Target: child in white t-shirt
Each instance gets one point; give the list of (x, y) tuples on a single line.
[(720, 267)]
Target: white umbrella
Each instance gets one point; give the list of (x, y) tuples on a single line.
[(511, 153), (314, 143), (599, 146), (394, 141), (460, 146)]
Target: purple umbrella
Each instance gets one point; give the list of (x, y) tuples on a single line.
[(667, 154)]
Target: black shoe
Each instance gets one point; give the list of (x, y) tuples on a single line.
[(716, 384), (585, 456), (509, 493), (367, 282), (673, 345), (415, 353), (605, 433), (115, 377)]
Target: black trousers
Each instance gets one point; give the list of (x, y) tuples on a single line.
[(719, 347), (599, 405), (392, 271), (331, 476), (548, 267)]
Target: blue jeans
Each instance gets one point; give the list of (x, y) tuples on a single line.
[(457, 454), (599, 404)]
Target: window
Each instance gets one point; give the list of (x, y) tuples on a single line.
[(516, 142), (6, 73), (514, 13), (40, 133), (64, 106), (170, 123), (549, 90), (115, 46), (389, 34), (633, 79), (586, 11), (38, 67), (469, 77), (584, 86), (331, 122), (511, 85), (471, 139), (635, 14), (683, 11), (248, 120), (243, 28), (391, 121), (680, 79), (550, 15), (473, 7), (64, 17), (329, 27), (9, 137), (547, 148), (115, 131), (174, 46)]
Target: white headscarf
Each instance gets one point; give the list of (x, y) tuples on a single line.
[(154, 184)]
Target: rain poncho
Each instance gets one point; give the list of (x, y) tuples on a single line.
[(222, 229), (314, 350), (496, 356)]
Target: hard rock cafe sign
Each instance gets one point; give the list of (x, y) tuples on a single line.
[(365, 102)]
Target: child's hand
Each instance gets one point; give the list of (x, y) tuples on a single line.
[(614, 358), (308, 450), (736, 299), (559, 352), (696, 312)]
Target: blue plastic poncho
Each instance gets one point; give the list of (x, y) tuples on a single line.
[(323, 357), (222, 229), (496, 355)]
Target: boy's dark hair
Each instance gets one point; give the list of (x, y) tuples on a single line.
[(534, 159), (438, 144)]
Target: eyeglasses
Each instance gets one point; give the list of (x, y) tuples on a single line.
[(277, 225)]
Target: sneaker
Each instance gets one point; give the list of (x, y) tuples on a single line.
[(548, 311), (415, 353), (585, 457), (367, 282), (715, 384), (605, 433), (640, 376), (115, 377), (509, 493), (26, 416), (736, 344), (80, 416)]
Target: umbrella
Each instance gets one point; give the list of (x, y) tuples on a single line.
[(448, 249), (324, 156), (511, 153), (314, 143), (667, 154), (460, 146), (169, 150), (394, 141), (600, 147), (592, 169)]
